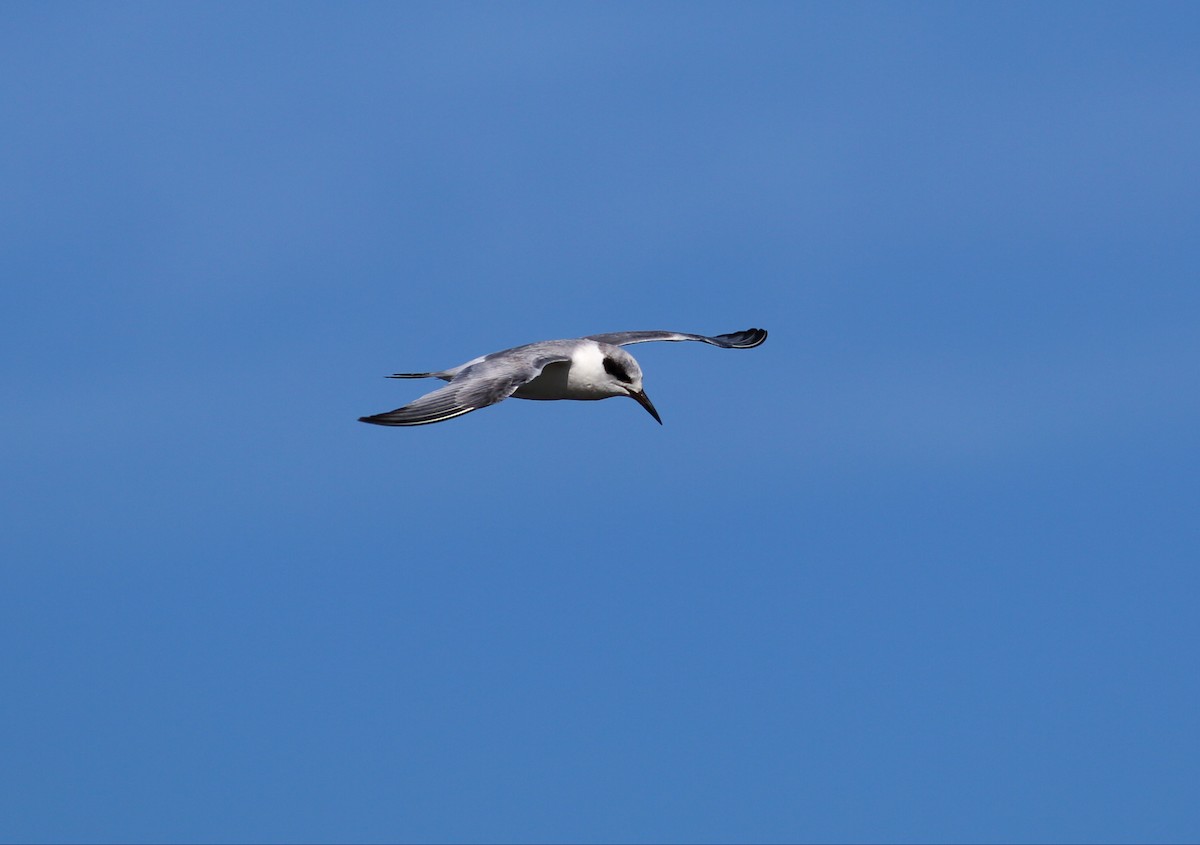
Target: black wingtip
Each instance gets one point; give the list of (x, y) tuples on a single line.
[(748, 339)]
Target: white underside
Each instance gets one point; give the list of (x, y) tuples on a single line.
[(583, 377)]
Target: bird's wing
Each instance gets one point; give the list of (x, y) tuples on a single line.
[(483, 383), (735, 340)]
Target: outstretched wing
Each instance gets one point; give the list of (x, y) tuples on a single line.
[(483, 383), (735, 340)]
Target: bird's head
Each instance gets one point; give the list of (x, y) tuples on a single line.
[(625, 378)]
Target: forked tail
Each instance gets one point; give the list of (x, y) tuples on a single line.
[(443, 375)]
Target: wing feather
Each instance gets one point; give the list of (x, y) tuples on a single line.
[(483, 383), (747, 339)]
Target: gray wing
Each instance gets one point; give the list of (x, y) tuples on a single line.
[(735, 340), (476, 386)]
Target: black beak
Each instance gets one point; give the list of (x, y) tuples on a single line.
[(645, 402)]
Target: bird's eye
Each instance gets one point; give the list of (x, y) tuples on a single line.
[(614, 369)]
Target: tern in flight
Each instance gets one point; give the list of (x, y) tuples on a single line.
[(592, 367)]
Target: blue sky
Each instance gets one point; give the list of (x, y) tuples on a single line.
[(921, 568)]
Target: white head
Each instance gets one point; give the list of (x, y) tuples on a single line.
[(624, 377)]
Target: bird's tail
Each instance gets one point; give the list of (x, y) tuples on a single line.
[(443, 375)]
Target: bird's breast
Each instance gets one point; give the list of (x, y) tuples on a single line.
[(552, 383), (575, 379)]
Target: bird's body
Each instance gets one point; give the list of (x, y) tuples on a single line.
[(580, 377), (587, 368)]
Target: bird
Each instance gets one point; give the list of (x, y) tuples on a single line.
[(591, 367)]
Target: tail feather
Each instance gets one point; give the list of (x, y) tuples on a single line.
[(442, 375)]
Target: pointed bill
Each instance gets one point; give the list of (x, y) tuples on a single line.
[(645, 402)]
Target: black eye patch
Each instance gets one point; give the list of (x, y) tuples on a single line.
[(614, 369)]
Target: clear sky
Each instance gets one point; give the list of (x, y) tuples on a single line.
[(922, 567)]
